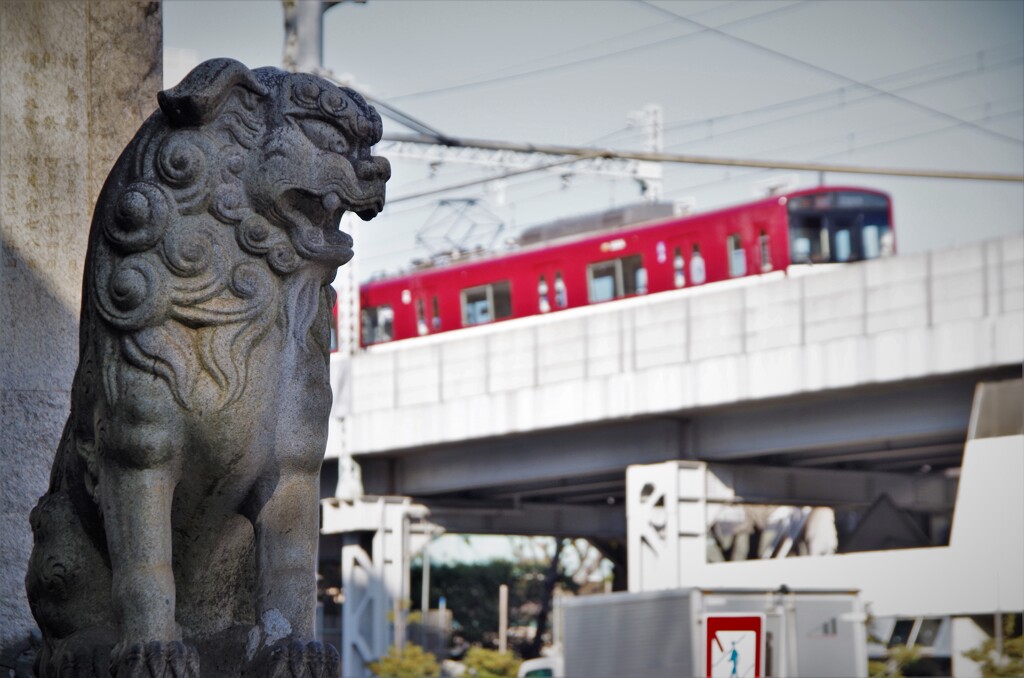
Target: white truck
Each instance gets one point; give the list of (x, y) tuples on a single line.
[(714, 633)]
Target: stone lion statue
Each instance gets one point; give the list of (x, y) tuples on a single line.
[(179, 532)]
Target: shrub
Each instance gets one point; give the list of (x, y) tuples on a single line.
[(483, 663), (412, 661), (1011, 662)]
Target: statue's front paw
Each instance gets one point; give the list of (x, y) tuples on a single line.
[(292, 658), (155, 660), (79, 661)]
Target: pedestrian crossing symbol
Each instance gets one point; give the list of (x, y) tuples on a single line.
[(734, 646)]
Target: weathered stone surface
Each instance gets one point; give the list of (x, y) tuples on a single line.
[(76, 80), (178, 535)]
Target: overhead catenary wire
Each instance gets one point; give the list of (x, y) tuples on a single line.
[(983, 58), (877, 144), (505, 175), (577, 153), (591, 59), (821, 69), (847, 104), (483, 78)]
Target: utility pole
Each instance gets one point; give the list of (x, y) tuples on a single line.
[(303, 34), (503, 618), (651, 119)]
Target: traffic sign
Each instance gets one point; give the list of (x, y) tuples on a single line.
[(734, 645)]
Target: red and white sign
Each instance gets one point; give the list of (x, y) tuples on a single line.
[(734, 645)]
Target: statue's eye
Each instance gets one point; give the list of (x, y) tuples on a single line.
[(324, 135)]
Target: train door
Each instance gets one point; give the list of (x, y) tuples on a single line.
[(684, 256), (427, 306), (547, 290)]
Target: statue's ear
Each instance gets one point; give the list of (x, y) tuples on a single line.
[(195, 99)]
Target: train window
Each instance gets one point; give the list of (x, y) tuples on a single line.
[(737, 256), (421, 319), (766, 251), (435, 318), (698, 274), (561, 294), (842, 239), (378, 324), (678, 268), (486, 303), (616, 278), (543, 304), (870, 241), (603, 279)]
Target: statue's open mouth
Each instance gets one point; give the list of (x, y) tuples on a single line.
[(324, 210)]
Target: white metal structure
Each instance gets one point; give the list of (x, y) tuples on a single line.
[(977, 573), (380, 536)]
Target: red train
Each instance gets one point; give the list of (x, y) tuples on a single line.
[(642, 249)]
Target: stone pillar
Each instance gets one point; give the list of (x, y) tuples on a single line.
[(76, 81)]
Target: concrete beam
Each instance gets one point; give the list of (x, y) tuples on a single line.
[(601, 522), (521, 459), (868, 418)]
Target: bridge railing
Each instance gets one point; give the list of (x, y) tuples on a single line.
[(778, 334)]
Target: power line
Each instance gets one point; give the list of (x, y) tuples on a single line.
[(575, 153), (844, 104), (886, 142), (505, 175), (829, 72), (982, 58), (585, 60), (575, 50)]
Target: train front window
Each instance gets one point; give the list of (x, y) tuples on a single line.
[(616, 278), (843, 244), (810, 239), (839, 226), (377, 324), (872, 243), (485, 303)]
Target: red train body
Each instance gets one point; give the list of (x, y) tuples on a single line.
[(821, 225)]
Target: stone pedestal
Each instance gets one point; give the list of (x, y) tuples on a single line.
[(76, 80)]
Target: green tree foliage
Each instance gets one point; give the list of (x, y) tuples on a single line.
[(409, 662), (471, 590), (1009, 664), (899, 657), (483, 663)]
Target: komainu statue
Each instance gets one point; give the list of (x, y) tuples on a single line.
[(178, 535)]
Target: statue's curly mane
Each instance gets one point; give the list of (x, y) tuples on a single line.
[(194, 268)]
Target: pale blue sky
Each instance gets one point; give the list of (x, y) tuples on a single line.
[(767, 79)]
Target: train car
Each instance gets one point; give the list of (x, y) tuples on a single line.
[(592, 260)]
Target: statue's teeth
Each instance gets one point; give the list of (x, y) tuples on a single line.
[(331, 201)]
